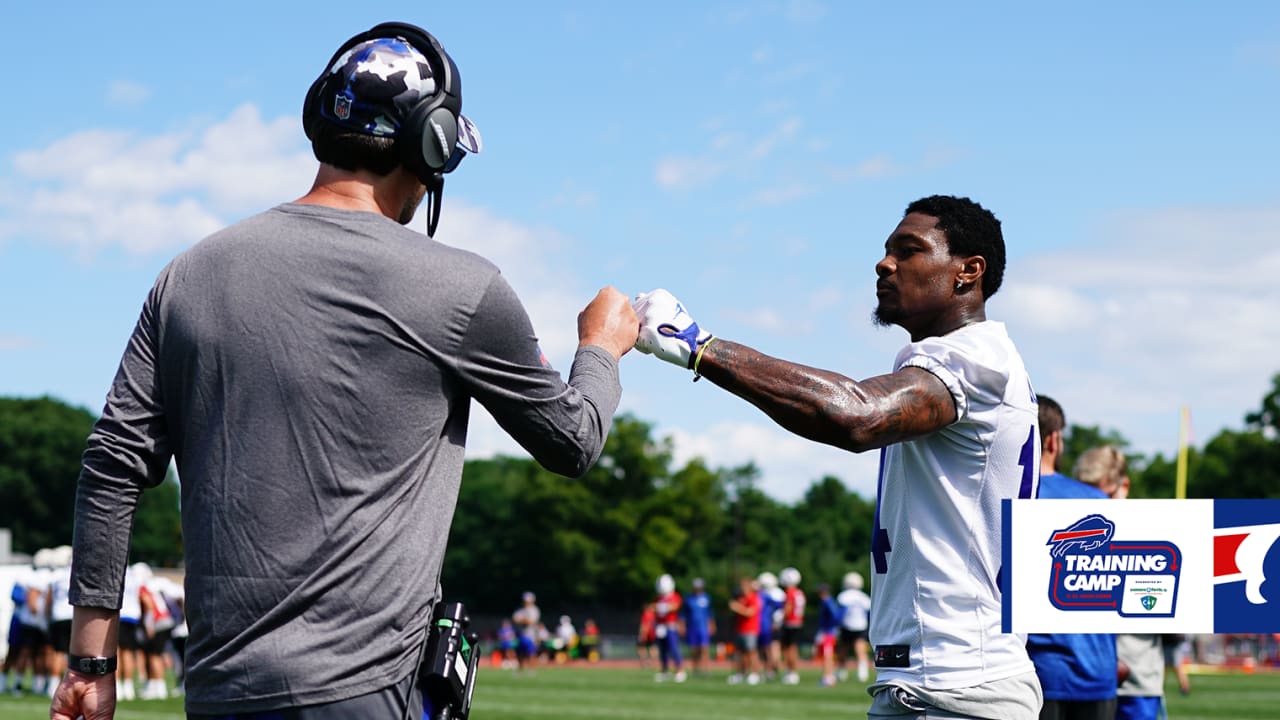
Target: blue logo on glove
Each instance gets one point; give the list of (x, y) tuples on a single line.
[(689, 334)]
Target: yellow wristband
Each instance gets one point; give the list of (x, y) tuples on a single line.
[(698, 358)]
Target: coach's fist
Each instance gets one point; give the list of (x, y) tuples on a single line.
[(666, 328), (608, 321)]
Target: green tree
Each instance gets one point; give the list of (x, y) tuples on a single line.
[(494, 547), (833, 528), (157, 525), (1080, 438), (1236, 465), (761, 532), (1267, 418), (41, 444), (1233, 464), (694, 498), (41, 441)]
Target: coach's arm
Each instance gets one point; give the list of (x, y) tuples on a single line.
[(94, 632)]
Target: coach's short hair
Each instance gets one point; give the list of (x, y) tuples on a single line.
[(350, 150), (971, 230)]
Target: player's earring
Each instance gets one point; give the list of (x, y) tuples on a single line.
[(959, 285)]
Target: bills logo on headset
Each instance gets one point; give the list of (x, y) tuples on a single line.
[(1246, 565)]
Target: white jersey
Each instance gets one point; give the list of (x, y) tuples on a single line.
[(130, 606), (175, 594), (857, 609), (526, 620), (936, 542), (35, 612), (60, 609)]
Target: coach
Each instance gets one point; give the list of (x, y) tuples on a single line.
[(311, 370)]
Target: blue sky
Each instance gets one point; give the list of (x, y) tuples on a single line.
[(749, 156)]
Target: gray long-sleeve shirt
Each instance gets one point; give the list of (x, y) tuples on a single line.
[(311, 371)]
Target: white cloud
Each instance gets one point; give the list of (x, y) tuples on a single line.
[(805, 12), (785, 131), (825, 298), (774, 321), (1264, 54), (1051, 308), (527, 257), (101, 188), (96, 189), (781, 195), (126, 93), (683, 173), (876, 167), (1171, 307), (729, 152), (574, 198)]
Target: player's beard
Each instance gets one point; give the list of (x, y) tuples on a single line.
[(885, 317)]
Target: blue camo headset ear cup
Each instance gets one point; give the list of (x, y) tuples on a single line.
[(428, 135)]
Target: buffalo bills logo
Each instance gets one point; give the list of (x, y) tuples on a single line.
[(1084, 535)]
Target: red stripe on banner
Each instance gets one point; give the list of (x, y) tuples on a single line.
[(1224, 554), (1076, 534)]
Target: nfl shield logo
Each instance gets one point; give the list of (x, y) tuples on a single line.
[(1148, 602), (342, 106)]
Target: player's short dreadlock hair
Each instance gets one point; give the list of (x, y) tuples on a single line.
[(971, 230)]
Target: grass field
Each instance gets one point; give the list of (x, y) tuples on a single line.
[(627, 694)]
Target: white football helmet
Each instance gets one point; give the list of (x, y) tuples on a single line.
[(142, 572), (852, 581), (789, 576), (665, 584), (42, 559), (767, 580)]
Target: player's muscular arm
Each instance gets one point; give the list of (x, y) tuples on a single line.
[(828, 407)]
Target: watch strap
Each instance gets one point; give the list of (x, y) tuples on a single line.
[(91, 665)]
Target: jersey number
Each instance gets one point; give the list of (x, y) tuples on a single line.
[(879, 537), (1027, 459), (880, 546)]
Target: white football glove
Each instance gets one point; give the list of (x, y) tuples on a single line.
[(666, 328)]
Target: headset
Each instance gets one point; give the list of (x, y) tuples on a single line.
[(427, 141)]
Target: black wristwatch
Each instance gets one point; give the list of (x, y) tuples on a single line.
[(91, 665)]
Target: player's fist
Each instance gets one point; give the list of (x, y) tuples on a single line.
[(667, 329)]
